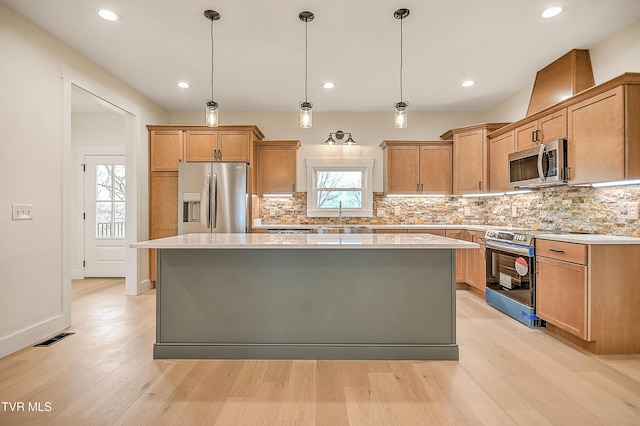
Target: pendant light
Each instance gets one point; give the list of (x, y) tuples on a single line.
[(401, 107), (211, 114), (306, 118)]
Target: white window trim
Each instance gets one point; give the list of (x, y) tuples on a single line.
[(364, 164)]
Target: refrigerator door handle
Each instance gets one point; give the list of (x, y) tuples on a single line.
[(213, 211), (208, 189)]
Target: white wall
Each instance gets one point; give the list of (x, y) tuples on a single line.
[(35, 74), (368, 130), (616, 55)]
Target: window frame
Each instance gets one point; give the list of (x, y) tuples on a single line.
[(363, 165)]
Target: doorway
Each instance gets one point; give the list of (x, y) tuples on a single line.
[(104, 216), (100, 128)]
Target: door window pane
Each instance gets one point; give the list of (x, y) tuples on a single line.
[(110, 201)]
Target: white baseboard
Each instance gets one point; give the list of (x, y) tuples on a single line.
[(32, 335), (144, 286)]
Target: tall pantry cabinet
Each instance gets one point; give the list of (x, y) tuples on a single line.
[(171, 145)]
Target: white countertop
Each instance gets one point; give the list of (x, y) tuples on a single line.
[(568, 237), (592, 239), (305, 241)]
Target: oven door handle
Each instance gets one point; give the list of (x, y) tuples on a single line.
[(509, 248)]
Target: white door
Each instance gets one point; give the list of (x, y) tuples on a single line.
[(104, 227)]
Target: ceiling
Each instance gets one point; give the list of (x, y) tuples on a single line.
[(260, 60)]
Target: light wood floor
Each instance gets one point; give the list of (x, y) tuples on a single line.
[(507, 374)]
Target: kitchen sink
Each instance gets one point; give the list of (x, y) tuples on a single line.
[(347, 229)]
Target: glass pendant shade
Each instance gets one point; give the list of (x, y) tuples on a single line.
[(401, 115), (350, 141), (306, 115), (212, 114), (330, 140)]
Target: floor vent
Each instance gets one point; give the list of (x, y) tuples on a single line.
[(53, 340)]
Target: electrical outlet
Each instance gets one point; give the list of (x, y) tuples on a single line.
[(632, 211), (514, 211), (25, 211), (381, 212), (397, 211), (273, 212)]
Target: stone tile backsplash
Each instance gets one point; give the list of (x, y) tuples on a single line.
[(577, 209)]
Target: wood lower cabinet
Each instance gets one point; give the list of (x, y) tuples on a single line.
[(275, 167), (461, 255), (475, 263), (561, 295), (499, 149), (417, 167), (590, 292), (163, 211)]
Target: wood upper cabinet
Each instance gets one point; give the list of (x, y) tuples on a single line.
[(217, 145), (165, 150), (499, 149), (545, 129), (469, 162), (275, 166), (417, 167), (604, 137), (470, 157)]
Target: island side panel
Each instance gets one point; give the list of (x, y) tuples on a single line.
[(274, 298)]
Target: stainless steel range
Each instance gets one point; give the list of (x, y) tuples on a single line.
[(511, 287)]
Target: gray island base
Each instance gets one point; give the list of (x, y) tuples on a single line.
[(356, 297)]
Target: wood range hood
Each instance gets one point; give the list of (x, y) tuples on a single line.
[(560, 80)]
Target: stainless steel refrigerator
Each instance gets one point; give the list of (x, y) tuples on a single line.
[(212, 198)]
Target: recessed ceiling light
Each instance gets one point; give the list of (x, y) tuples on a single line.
[(108, 15), (551, 12), (184, 85), (328, 85), (468, 83)]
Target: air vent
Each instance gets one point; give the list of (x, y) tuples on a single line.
[(52, 340)]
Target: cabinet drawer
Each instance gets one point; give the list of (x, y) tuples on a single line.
[(569, 252)]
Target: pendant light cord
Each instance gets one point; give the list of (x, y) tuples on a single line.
[(401, 72), (212, 60), (306, 58)]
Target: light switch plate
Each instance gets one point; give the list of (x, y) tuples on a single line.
[(380, 212), (397, 211), (632, 211), (22, 211)]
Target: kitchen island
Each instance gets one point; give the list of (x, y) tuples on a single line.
[(306, 296)]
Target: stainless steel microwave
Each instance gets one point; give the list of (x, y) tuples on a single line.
[(539, 166)]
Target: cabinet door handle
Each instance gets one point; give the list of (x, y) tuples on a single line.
[(421, 188), (215, 153), (556, 250), (293, 188), (538, 135), (480, 185), (417, 187), (533, 136)]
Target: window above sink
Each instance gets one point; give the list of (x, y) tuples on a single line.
[(340, 185)]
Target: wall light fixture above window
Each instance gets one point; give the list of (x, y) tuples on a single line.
[(339, 135)]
